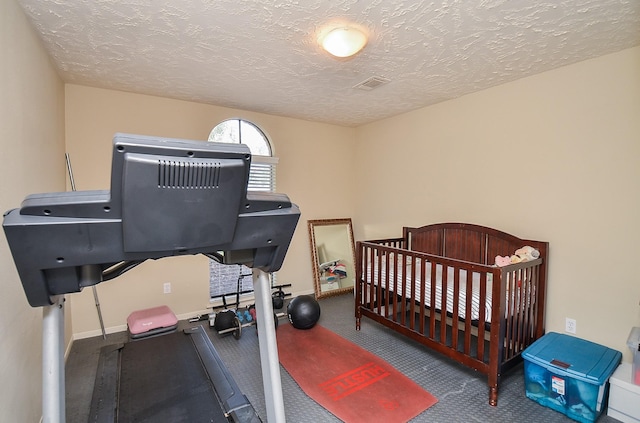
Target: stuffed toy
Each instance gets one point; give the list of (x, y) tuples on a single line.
[(503, 260), (527, 253)]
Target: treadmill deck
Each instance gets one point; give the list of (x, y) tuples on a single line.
[(175, 377)]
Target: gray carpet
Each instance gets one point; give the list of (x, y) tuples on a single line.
[(462, 393)]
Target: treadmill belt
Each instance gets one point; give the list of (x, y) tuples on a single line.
[(162, 377), (167, 378)]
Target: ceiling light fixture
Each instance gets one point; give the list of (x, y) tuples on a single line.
[(344, 42)]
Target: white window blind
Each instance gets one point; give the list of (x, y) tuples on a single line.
[(262, 176)]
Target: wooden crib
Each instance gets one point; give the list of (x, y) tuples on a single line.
[(439, 286)]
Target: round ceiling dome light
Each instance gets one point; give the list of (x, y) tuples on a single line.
[(344, 42)]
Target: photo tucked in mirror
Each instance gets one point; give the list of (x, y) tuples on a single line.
[(332, 256)]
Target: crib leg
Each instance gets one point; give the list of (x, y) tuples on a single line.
[(357, 323), (493, 396)]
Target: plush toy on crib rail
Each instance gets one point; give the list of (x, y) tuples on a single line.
[(526, 253), (503, 260)]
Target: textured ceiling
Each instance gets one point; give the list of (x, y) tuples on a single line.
[(263, 55)]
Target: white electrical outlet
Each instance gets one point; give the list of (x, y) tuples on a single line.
[(167, 287), (570, 325)]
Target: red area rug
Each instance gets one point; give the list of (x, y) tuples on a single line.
[(349, 381)]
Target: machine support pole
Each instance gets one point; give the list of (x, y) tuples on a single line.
[(53, 389), (268, 348), (93, 287)]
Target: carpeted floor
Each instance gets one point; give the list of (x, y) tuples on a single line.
[(462, 393)]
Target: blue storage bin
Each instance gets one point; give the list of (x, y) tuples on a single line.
[(569, 375)]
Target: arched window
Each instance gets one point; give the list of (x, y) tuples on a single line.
[(225, 282), (262, 176)]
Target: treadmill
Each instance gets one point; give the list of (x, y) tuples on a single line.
[(168, 197)]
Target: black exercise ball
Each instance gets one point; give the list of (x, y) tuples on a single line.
[(303, 312), (224, 320)]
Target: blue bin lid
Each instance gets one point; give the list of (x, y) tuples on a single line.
[(574, 357)]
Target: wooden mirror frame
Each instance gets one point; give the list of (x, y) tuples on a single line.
[(350, 262)]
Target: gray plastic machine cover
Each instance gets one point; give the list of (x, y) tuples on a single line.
[(168, 197)]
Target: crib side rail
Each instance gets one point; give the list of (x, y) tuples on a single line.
[(366, 289), (522, 299), (388, 242), (390, 287), (383, 268)]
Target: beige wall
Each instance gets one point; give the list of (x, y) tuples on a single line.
[(554, 157), (32, 143), (315, 170)]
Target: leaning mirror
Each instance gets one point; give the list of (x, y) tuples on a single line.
[(332, 256)]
